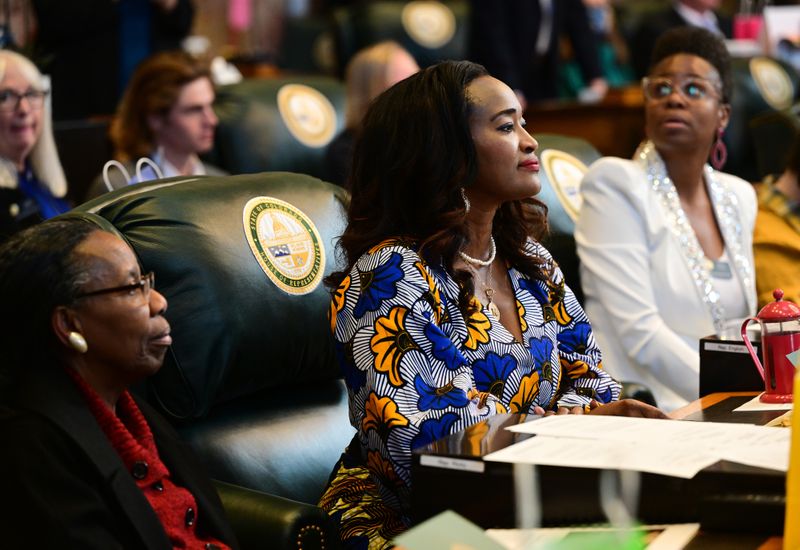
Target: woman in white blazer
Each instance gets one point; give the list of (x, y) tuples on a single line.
[(665, 240)]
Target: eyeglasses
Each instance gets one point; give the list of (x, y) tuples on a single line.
[(144, 285), (10, 100), (693, 88)]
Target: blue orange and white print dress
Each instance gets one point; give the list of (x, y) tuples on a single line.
[(417, 370)]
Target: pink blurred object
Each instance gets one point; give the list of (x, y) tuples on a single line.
[(747, 26), (240, 14)]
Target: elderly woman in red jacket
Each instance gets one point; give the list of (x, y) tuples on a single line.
[(90, 465)]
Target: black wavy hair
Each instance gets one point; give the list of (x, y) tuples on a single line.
[(702, 43), (413, 154)]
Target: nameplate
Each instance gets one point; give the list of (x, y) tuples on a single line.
[(731, 348), (448, 463)]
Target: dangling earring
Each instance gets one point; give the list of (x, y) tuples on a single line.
[(78, 342), (719, 152), (467, 204)]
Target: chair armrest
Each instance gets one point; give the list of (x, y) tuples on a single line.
[(261, 520)]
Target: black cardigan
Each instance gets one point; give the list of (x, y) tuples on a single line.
[(65, 486)]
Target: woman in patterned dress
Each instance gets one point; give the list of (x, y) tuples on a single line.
[(449, 310)]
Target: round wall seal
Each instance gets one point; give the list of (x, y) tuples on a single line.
[(308, 114), (772, 81), (429, 24), (286, 244), (565, 173)]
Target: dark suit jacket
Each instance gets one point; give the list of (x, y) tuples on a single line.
[(654, 25), (503, 39), (77, 44), (65, 486)]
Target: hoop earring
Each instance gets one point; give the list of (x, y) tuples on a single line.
[(467, 204), (719, 152), (78, 342)]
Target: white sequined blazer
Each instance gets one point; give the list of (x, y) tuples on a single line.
[(647, 291)]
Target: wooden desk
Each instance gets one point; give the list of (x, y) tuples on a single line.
[(707, 402), (455, 476), (718, 407), (615, 126), (717, 540)]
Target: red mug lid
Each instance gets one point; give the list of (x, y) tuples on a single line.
[(780, 309)]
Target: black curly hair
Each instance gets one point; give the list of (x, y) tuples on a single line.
[(702, 43)]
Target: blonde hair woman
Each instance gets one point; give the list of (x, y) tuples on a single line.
[(370, 72), (32, 182)]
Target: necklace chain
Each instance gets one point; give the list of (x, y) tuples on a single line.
[(487, 285), (482, 263)]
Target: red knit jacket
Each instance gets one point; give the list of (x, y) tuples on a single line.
[(132, 439)]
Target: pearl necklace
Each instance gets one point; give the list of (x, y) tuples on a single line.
[(476, 261)]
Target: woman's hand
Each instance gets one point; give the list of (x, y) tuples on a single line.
[(623, 407), (626, 407)]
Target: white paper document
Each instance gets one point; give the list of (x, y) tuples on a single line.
[(755, 404), (669, 447), (657, 537)]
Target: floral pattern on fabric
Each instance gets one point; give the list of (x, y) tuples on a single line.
[(427, 371)]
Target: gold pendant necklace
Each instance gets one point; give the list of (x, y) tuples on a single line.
[(486, 285)]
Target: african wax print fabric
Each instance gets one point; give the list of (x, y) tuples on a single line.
[(418, 369)]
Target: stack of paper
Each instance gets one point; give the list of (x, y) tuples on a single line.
[(668, 447)]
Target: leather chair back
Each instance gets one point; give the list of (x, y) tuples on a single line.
[(563, 161), (251, 379), (277, 124), (308, 46), (773, 135), (760, 85), (430, 31)]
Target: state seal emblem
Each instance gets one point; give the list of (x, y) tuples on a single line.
[(565, 172), (308, 114), (429, 24), (772, 82), (285, 243)]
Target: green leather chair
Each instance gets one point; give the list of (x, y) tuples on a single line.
[(430, 31), (761, 85), (277, 124), (773, 135), (251, 380), (307, 46), (563, 161)]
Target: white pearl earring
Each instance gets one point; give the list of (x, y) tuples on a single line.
[(78, 342)]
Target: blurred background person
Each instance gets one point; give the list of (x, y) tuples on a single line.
[(665, 240), (32, 182), (518, 41), (93, 467), (370, 72), (776, 240), (90, 48), (166, 114), (698, 13)]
